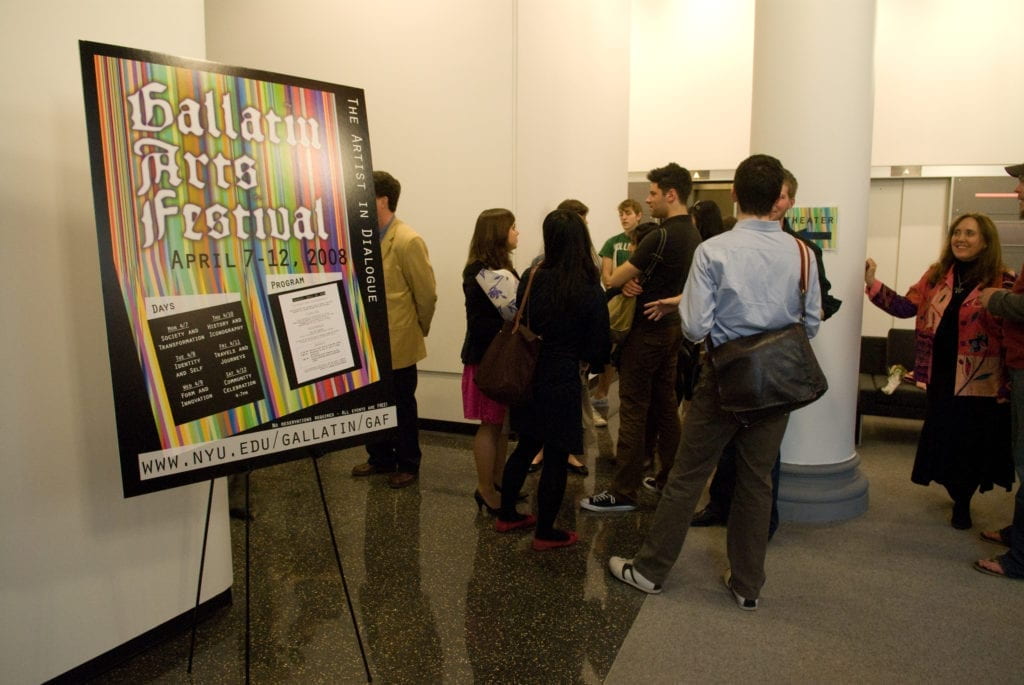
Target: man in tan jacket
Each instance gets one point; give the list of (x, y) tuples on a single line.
[(412, 294)]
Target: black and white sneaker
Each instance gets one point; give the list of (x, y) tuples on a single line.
[(741, 601), (624, 570), (606, 501)]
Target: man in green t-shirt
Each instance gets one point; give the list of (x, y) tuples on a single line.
[(614, 253), (617, 249)]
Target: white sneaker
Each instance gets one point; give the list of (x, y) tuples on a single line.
[(599, 421), (624, 570), (651, 483), (743, 602), (605, 501), (896, 373)]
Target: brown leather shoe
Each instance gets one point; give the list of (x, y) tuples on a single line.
[(707, 517), (401, 479), (366, 469)]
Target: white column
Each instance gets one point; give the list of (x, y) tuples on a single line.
[(813, 108)]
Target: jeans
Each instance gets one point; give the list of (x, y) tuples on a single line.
[(1013, 561), (647, 377)]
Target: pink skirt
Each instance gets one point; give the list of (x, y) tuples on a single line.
[(475, 404)]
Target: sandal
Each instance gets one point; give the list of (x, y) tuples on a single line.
[(979, 565), (995, 536)]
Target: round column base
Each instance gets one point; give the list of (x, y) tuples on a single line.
[(822, 493)]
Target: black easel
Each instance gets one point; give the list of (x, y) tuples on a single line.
[(199, 585), (341, 572), (248, 518)]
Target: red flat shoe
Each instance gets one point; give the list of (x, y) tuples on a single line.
[(528, 521), (542, 545)]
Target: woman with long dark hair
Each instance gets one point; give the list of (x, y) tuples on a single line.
[(566, 307), (489, 284), (965, 440), (707, 217)]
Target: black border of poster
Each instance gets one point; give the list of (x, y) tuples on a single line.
[(136, 426)]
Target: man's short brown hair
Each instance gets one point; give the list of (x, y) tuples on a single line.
[(789, 180), (386, 185), (630, 203)]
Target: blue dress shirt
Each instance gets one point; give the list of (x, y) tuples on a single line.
[(747, 281)]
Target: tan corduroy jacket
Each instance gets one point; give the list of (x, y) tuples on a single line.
[(411, 290)]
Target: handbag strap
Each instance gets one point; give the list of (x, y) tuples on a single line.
[(526, 296)]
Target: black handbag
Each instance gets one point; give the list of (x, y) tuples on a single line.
[(505, 373), (771, 373)]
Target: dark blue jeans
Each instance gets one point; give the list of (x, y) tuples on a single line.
[(1013, 561)]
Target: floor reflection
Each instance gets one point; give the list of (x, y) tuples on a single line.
[(400, 631), (439, 595)]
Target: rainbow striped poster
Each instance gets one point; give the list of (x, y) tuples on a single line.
[(238, 245), (819, 224)]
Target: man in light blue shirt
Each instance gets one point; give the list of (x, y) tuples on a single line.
[(742, 282)]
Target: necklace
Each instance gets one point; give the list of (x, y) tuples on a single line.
[(959, 284)]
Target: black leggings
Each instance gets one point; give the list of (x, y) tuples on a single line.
[(550, 490)]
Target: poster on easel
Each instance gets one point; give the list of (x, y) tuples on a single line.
[(240, 265)]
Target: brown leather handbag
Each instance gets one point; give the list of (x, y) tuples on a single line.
[(505, 373), (771, 373)]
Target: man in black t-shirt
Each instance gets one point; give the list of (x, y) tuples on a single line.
[(647, 367)]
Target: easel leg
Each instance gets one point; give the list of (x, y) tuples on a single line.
[(199, 584), (248, 519), (341, 571)]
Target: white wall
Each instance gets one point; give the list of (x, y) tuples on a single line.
[(498, 104), (690, 81), (83, 569), (572, 108), (439, 83), (947, 82), (906, 229)]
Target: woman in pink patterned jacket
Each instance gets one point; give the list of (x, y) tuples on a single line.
[(965, 440)]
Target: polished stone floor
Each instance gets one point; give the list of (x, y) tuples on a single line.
[(441, 598), (438, 595)]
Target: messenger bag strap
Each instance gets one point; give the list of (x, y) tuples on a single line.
[(805, 270), (656, 257)]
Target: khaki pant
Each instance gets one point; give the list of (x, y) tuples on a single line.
[(706, 431)]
